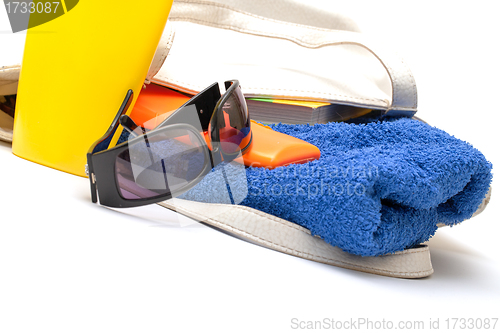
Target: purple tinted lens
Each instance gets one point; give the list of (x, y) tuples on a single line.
[(161, 164)]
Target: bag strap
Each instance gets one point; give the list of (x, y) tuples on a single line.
[(281, 235), (161, 53), (404, 91)]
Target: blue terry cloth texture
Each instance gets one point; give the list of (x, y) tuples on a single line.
[(378, 188)]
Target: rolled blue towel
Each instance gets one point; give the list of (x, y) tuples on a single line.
[(378, 188)]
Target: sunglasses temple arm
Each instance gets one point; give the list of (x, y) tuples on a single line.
[(89, 170), (204, 102), (105, 140), (103, 143), (130, 126)]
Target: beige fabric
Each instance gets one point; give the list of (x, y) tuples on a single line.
[(162, 51), (287, 237), (274, 58), (290, 238), (9, 80), (298, 12)]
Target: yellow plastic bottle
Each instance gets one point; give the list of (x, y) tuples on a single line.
[(76, 70)]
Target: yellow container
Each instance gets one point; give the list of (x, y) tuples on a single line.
[(76, 71)]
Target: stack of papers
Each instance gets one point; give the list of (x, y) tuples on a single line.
[(267, 110)]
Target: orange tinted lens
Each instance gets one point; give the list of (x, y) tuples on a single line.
[(233, 123)]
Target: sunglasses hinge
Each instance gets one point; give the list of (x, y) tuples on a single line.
[(90, 175)]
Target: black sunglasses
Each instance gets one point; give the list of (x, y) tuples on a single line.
[(156, 165)]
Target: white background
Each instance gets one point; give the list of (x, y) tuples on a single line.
[(67, 265)]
